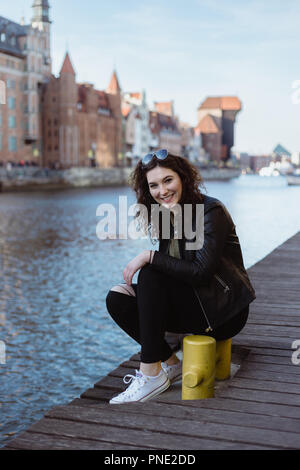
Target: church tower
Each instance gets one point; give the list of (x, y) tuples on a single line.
[(40, 12), (115, 99), (68, 126), (41, 21)]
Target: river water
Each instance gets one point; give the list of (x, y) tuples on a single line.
[(56, 336)]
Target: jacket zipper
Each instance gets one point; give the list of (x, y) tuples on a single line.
[(225, 287), (202, 308), (209, 328)]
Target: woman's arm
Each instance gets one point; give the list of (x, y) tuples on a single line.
[(137, 263), (216, 230)]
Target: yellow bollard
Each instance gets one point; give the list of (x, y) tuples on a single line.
[(223, 359), (198, 367)]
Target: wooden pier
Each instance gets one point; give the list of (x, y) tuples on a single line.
[(258, 408)]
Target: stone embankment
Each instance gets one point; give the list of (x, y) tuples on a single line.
[(32, 178)]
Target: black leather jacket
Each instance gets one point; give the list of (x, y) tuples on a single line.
[(216, 271)]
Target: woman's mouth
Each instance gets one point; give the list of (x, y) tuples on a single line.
[(168, 198)]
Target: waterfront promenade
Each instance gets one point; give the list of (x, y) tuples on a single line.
[(258, 408), (37, 179)]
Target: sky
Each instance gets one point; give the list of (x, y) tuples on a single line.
[(186, 51)]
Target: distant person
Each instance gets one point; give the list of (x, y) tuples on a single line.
[(202, 291)]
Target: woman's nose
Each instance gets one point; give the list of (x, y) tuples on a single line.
[(163, 190)]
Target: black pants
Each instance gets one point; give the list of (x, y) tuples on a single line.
[(162, 304)]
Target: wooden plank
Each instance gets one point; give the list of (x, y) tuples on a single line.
[(98, 394), (186, 412), (253, 373), (269, 366), (272, 331), (274, 353), (35, 441), (267, 385), (274, 322), (172, 426), (230, 403), (248, 395), (123, 435), (274, 359), (262, 397), (262, 341)]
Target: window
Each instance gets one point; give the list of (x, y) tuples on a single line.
[(12, 122), (11, 102), (2, 37), (2, 92), (12, 144)]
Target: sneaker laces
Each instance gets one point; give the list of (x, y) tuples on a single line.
[(135, 382)]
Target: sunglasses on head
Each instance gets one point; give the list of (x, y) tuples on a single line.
[(160, 155)]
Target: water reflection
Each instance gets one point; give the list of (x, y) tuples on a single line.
[(55, 274)]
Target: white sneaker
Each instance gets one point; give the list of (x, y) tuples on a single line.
[(142, 387), (174, 372)]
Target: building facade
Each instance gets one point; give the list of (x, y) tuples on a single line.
[(136, 135), (164, 128), (216, 118), (81, 125), (25, 63), (52, 121)]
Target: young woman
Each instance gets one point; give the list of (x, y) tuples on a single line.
[(205, 290)]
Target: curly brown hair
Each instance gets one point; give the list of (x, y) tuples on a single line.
[(190, 177)]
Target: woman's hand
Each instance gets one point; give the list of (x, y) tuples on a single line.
[(134, 265)]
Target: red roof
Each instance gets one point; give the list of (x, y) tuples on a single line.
[(67, 66), (113, 86), (103, 102), (164, 107), (225, 103), (160, 121), (135, 95), (207, 125)]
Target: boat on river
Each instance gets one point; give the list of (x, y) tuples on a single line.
[(293, 179)]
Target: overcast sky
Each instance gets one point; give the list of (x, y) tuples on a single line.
[(188, 50)]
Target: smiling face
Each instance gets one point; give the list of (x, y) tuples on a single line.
[(165, 186)]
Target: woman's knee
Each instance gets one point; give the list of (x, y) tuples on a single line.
[(124, 289), (117, 301), (149, 274)]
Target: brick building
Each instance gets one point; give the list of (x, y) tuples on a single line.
[(136, 136), (216, 118), (81, 125), (52, 120), (25, 63), (164, 128)]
